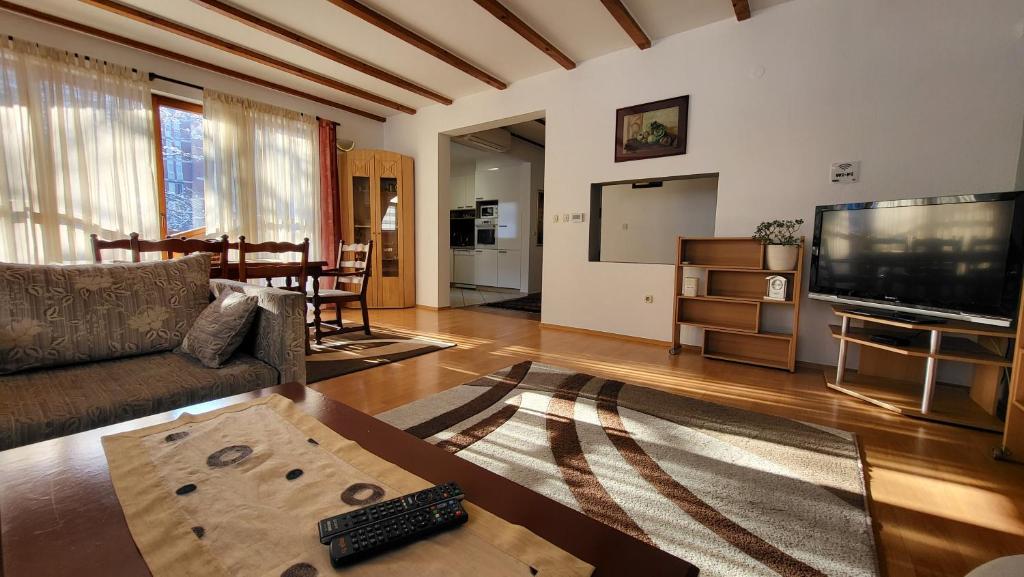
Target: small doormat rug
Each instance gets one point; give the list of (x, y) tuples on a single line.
[(355, 351), (529, 303), (239, 491), (731, 491)]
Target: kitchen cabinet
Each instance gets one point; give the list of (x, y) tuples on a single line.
[(485, 267), (463, 266), (509, 268), (462, 187), (377, 204)]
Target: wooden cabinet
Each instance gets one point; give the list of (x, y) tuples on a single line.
[(1013, 435), (485, 267), (377, 202), (509, 268)]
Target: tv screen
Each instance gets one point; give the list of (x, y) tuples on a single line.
[(952, 256)]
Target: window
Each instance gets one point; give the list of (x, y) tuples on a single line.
[(179, 143)]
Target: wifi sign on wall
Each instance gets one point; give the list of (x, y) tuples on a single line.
[(845, 171)]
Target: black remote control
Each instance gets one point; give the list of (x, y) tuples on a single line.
[(368, 540), (331, 527)]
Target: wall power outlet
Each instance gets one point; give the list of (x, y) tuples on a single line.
[(649, 299)]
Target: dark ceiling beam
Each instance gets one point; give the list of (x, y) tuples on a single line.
[(742, 9), (628, 23), (523, 29), (241, 51), (170, 55), (397, 30), (315, 47)]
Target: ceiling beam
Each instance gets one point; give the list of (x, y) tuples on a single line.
[(170, 55), (315, 47), (243, 52), (512, 21), (742, 9), (397, 30), (628, 23)]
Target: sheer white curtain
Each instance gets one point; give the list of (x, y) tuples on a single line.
[(262, 171), (76, 154)]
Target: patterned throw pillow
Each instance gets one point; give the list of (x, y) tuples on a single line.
[(54, 315), (220, 328)]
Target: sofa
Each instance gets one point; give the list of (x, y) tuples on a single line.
[(84, 346)]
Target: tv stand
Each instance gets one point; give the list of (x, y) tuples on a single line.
[(899, 366), (898, 316)]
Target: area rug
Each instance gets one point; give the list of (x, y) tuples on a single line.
[(356, 351), (529, 303), (731, 491)]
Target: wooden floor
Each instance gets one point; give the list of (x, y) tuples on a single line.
[(941, 504)]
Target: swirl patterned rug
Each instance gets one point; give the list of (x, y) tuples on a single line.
[(734, 492), (351, 352)]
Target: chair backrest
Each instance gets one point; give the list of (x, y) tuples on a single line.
[(183, 245), (130, 244), (248, 270), (355, 260)]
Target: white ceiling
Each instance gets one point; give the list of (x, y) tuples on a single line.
[(582, 29)]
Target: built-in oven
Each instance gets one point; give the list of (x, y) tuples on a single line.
[(486, 230)]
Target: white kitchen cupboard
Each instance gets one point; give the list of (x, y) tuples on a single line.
[(463, 268), (509, 268), (462, 187), (485, 267)]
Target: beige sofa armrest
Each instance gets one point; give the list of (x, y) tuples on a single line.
[(280, 327)]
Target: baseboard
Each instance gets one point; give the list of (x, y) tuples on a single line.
[(430, 308), (611, 335)]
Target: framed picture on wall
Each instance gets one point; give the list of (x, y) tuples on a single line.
[(651, 130)]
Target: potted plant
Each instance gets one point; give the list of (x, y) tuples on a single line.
[(781, 243)]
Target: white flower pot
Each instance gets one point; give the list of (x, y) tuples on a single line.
[(781, 256)]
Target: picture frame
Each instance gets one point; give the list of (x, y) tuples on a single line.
[(651, 130)]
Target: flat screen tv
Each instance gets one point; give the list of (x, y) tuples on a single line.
[(949, 256)]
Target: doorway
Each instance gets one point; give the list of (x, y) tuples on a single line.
[(495, 213)]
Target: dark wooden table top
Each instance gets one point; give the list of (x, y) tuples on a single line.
[(59, 514)]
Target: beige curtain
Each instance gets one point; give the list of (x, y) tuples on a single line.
[(262, 171), (76, 154)]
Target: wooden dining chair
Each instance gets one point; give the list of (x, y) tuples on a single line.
[(353, 268), (130, 244), (183, 246), (269, 270)]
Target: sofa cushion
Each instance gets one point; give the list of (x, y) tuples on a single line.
[(48, 403), (52, 315), (220, 328)]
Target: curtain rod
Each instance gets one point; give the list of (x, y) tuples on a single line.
[(77, 55), (154, 76)]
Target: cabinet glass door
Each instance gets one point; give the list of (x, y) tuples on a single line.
[(362, 222), (388, 227)]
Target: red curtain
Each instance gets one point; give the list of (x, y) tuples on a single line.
[(330, 203)]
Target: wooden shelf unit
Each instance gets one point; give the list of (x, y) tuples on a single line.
[(1012, 447), (902, 376), (730, 303)]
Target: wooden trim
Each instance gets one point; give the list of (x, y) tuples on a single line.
[(742, 9), (402, 33), (170, 55), (618, 336), (315, 47), (519, 27), (621, 15), (242, 52), (430, 308), (159, 101)]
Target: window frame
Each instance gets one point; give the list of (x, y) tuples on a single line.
[(168, 102)]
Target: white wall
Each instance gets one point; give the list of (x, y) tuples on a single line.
[(367, 133), (641, 224), (928, 94)]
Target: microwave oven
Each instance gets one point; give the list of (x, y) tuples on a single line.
[(488, 211)]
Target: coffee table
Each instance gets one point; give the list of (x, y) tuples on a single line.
[(59, 514)]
